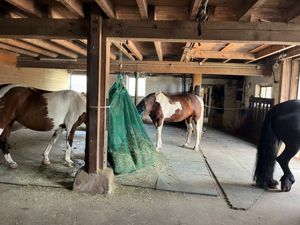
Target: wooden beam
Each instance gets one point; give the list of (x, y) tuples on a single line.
[(223, 55), (120, 46), (292, 53), (43, 28), (18, 50), (259, 48), (195, 8), (270, 51), (132, 47), (143, 7), (158, 67), (70, 45), (7, 57), (168, 13), (187, 31), (285, 81), (29, 47), (158, 49), (226, 60), (247, 8), (84, 41), (28, 6), (294, 79), (232, 47), (186, 56), (74, 5), (58, 11), (52, 47), (107, 7)]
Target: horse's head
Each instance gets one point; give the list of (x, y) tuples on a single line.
[(145, 105)]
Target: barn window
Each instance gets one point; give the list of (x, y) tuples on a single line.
[(141, 86), (78, 82), (263, 91)]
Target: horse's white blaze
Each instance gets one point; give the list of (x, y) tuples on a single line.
[(65, 107), (167, 108)]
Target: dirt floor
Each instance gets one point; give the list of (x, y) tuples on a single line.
[(33, 204)]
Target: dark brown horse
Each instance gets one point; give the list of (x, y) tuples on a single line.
[(282, 124), (174, 108), (42, 111)]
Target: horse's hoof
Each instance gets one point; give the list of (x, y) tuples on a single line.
[(185, 145), (272, 184), (70, 164), (46, 162), (12, 165), (286, 183), (196, 148), (157, 149)]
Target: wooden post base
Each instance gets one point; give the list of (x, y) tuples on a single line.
[(101, 183)]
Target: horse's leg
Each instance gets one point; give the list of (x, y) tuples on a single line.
[(4, 146), (287, 179), (199, 126), (54, 138), (159, 127), (70, 137), (189, 127)]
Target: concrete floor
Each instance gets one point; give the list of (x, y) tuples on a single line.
[(129, 205)]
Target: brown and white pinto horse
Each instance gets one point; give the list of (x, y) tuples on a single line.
[(40, 110), (174, 108)]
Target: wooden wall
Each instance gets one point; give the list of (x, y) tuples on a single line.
[(49, 79)]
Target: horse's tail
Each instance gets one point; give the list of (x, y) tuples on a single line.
[(266, 153)]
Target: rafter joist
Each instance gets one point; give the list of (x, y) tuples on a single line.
[(259, 48), (292, 14), (52, 47), (58, 11), (74, 5), (27, 6), (186, 31), (70, 45), (143, 8), (292, 53), (134, 50), (195, 8), (18, 50), (247, 8), (29, 47), (157, 67), (120, 46), (270, 51), (186, 56), (107, 7), (158, 49)]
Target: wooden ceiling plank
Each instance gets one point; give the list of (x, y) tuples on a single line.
[(219, 32), (259, 48), (169, 13), (52, 47), (247, 8), (195, 8), (74, 5), (158, 49), (292, 14), (18, 50), (132, 47), (58, 11), (232, 47), (27, 6), (70, 45), (292, 53), (223, 55), (107, 7), (143, 8), (186, 52), (26, 46), (119, 45), (270, 51)]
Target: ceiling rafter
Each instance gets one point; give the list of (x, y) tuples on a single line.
[(74, 5), (194, 8), (292, 14), (224, 55), (120, 46), (158, 49), (51, 46), (29, 47), (27, 6), (133, 49), (247, 8), (143, 8), (18, 50), (107, 7), (70, 45)]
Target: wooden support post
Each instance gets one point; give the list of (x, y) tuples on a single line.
[(96, 177), (197, 81), (294, 79), (285, 81), (136, 74)]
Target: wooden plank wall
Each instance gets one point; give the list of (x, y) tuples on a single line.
[(49, 79)]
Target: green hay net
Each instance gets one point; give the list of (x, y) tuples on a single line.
[(129, 147)]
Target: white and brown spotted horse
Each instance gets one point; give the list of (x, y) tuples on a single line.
[(162, 107), (40, 110)]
